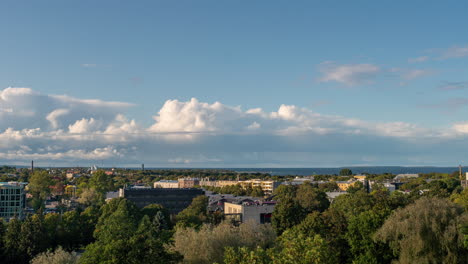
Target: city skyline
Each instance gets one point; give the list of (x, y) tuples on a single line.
[(234, 84)]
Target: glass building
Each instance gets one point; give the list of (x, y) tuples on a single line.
[(12, 199)]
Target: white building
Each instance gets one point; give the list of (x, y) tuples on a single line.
[(259, 212), (166, 184), (12, 199)]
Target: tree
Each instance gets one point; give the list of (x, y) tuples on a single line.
[(287, 213), (427, 231), (311, 198), (90, 196), (361, 229), (195, 214), (215, 239), (101, 182), (346, 172), (39, 187), (113, 233), (58, 256)]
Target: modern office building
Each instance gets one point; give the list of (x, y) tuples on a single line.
[(12, 199), (259, 212), (175, 200)]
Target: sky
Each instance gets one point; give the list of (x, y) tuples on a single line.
[(233, 83)]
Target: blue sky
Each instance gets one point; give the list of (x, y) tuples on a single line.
[(394, 66)]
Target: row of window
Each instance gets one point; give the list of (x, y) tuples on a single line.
[(10, 191)]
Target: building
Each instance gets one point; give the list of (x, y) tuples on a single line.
[(175, 200), (70, 190), (166, 184), (405, 176), (344, 185), (464, 183), (391, 187), (258, 212), (188, 182), (267, 186), (12, 199)]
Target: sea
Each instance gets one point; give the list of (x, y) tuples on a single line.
[(355, 170)]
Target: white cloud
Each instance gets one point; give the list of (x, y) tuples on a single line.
[(349, 74), (411, 74), (455, 52), (418, 59), (66, 129)]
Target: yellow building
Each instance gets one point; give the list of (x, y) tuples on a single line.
[(344, 185), (70, 190)]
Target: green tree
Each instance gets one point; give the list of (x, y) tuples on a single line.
[(195, 214), (297, 248), (361, 229), (346, 172), (310, 198), (426, 231), (39, 187), (287, 213), (113, 233), (101, 182)]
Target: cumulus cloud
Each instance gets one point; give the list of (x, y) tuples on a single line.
[(349, 74), (66, 130)]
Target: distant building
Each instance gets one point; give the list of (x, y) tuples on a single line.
[(332, 195), (166, 184), (344, 185), (175, 200), (267, 186), (70, 190), (405, 176), (390, 186), (259, 212), (12, 199), (72, 175), (188, 182), (464, 183)]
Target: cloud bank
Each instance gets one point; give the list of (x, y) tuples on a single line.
[(64, 130)]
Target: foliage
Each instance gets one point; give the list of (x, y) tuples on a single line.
[(292, 248), (213, 240), (101, 182), (361, 228), (295, 203), (39, 187), (427, 231), (461, 198), (90, 196), (194, 215), (59, 256), (123, 236), (346, 172)]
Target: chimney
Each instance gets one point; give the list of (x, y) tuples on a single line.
[(32, 166)]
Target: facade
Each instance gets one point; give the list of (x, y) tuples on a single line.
[(258, 212), (175, 200), (344, 185), (12, 199), (70, 190), (166, 184), (267, 186), (188, 182)]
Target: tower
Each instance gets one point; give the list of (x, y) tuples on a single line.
[(32, 166), (143, 167)]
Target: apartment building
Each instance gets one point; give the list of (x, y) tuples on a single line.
[(12, 199)]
